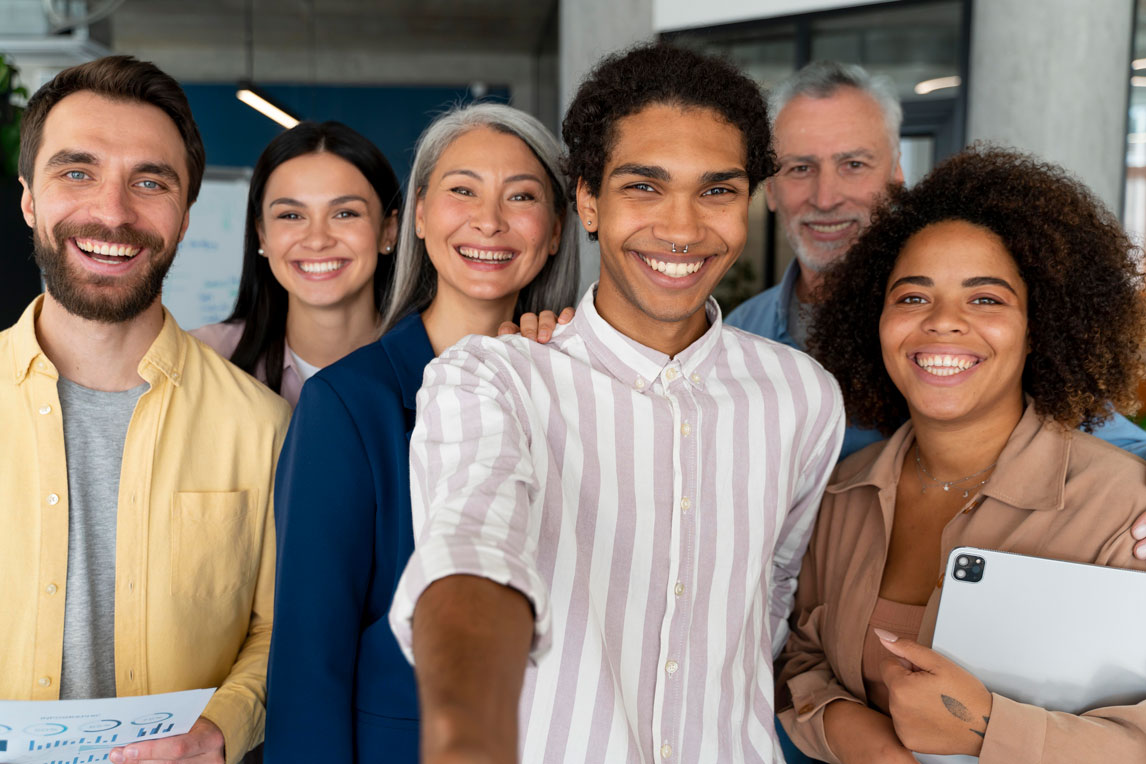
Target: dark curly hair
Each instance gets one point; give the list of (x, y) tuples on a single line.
[(1086, 317), (626, 82)]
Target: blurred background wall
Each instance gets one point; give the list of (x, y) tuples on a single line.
[(1056, 77)]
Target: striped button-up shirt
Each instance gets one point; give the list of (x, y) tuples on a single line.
[(653, 510)]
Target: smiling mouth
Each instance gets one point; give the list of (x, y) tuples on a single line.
[(829, 227), (944, 365), (671, 268), (107, 252), (486, 255), (320, 266)]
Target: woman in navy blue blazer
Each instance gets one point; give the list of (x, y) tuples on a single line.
[(485, 237)]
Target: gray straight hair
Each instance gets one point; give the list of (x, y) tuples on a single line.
[(821, 79), (416, 279)]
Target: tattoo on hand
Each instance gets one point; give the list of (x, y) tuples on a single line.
[(956, 709), (960, 712)]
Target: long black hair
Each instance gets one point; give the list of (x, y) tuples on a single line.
[(262, 301)]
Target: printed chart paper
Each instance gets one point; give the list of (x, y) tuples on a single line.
[(85, 731)]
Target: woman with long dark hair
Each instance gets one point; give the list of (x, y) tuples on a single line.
[(322, 220), (486, 235)]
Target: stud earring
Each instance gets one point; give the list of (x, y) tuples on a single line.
[(260, 250), (387, 249), (418, 230)]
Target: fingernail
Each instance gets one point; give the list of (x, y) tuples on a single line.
[(1140, 552), (886, 636), (1139, 531), (132, 753), (116, 757)]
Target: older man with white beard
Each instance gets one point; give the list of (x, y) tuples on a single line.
[(835, 130)]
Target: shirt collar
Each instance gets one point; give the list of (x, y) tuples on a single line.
[(166, 355), (639, 366), (1030, 473)]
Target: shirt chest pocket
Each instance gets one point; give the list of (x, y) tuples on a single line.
[(212, 544)]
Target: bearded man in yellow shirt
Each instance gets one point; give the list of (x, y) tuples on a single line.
[(135, 496)]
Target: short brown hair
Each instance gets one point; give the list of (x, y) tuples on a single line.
[(120, 78)]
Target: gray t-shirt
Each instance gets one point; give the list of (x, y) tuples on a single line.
[(95, 428)]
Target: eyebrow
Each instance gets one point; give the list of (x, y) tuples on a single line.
[(843, 156), (66, 157), (467, 173), (967, 283), (722, 176), (840, 156), (989, 281), (643, 170)]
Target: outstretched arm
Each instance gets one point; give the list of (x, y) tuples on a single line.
[(471, 643)]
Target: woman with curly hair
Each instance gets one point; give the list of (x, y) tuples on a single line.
[(997, 307)]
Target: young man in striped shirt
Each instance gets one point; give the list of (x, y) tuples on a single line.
[(611, 524)]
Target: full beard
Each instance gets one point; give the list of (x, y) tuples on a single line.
[(107, 299)]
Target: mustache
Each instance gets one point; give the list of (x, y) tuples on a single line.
[(121, 235)]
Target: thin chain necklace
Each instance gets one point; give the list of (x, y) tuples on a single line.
[(919, 468)]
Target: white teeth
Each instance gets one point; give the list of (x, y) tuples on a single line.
[(93, 247), (485, 254), (321, 266), (944, 365), (829, 228), (673, 269)]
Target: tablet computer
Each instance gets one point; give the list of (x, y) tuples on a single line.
[(1064, 636)]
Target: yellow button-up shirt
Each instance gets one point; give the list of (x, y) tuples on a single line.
[(195, 549)]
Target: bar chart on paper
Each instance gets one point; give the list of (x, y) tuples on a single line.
[(85, 731)]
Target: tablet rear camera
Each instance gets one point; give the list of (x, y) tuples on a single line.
[(968, 568)]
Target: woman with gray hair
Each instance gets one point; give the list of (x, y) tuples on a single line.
[(485, 236)]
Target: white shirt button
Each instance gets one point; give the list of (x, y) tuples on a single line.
[(666, 751), (695, 379), (686, 429), (45, 409), (685, 504), (45, 681), (678, 589), (639, 384), (51, 589), (671, 374), (671, 667), (41, 366), (53, 499)]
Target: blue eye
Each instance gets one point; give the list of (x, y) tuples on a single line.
[(76, 175), (150, 185)]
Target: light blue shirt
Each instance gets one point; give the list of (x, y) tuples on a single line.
[(766, 314)]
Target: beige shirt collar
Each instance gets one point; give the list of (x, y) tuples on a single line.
[(1031, 473)]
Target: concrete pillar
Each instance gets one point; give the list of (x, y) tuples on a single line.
[(589, 30), (1051, 77)]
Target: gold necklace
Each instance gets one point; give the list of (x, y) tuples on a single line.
[(948, 483)]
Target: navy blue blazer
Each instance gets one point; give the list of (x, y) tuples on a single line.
[(338, 687)]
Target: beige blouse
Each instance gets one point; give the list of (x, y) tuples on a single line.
[(1055, 493)]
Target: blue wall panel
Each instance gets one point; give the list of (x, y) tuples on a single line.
[(392, 117)]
